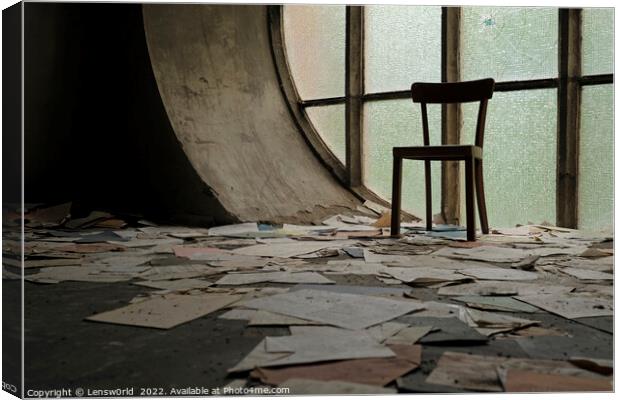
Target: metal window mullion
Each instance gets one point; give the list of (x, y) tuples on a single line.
[(569, 97), (450, 113), (354, 90)]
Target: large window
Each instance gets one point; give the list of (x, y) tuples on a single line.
[(514, 45), (548, 142)]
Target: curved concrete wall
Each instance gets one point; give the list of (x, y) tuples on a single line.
[(218, 82)]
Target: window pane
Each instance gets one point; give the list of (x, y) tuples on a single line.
[(597, 41), (397, 38), (399, 123), (509, 43), (596, 158), (329, 123), (314, 38), (519, 156)]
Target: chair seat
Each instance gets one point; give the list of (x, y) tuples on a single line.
[(445, 152)]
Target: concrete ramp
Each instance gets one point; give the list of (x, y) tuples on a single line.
[(217, 79)]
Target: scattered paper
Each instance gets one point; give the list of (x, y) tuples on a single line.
[(181, 284), (515, 380), (371, 371), (594, 252), (498, 303), (165, 312), (499, 274), (571, 306), (422, 275), (312, 344), (234, 230), (586, 274), (78, 274), (502, 288), (479, 373), (239, 313), (444, 330), (308, 386), (169, 272), (339, 309), (289, 249), (266, 318), (386, 330), (148, 242), (41, 263), (275, 277), (189, 252), (409, 335)]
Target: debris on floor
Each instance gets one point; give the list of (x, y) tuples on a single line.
[(363, 310)]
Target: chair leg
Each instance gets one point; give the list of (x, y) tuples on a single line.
[(429, 196), (482, 206), (396, 194), (469, 199)]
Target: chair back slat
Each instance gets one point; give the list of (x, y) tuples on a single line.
[(425, 132), (454, 92)]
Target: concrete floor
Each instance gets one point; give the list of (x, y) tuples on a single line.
[(64, 351)]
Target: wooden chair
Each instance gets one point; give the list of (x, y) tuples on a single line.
[(443, 93)]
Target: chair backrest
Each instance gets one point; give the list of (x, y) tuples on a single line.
[(454, 92)]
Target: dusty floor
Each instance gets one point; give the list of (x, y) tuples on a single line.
[(63, 350)]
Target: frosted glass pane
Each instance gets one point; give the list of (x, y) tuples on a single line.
[(596, 158), (314, 37), (519, 156), (399, 123), (402, 45), (597, 41), (510, 43), (329, 123)]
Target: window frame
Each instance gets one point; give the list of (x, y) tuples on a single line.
[(568, 83)]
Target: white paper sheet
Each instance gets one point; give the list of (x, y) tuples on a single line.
[(339, 309)]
